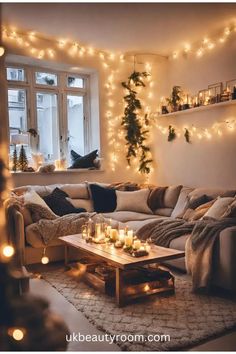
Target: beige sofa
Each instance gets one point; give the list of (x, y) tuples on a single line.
[(31, 246)]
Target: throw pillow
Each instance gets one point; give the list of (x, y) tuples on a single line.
[(76, 191), (156, 198), (182, 201), (218, 209), (32, 197), (59, 204), (194, 202), (133, 201), (87, 204), (171, 196), (125, 186), (230, 211), (86, 161), (74, 155), (104, 199)]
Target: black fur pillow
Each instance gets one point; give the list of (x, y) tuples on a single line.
[(59, 204), (104, 199), (85, 161)]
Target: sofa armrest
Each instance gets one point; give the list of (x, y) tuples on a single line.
[(225, 272)]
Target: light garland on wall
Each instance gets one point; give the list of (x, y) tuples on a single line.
[(216, 129), (207, 44)]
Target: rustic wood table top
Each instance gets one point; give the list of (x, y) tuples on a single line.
[(117, 256)]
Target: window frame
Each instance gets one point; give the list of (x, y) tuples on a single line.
[(62, 90)]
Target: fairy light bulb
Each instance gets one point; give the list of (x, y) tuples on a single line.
[(8, 251), (205, 40), (44, 259), (200, 52), (187, 47), (210, 45), (227, 31), (2, 51), (175, 55)]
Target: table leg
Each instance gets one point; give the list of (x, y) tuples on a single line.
[(119, 286)]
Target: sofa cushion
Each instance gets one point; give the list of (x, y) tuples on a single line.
[(104, 199), (230, 211), (32, 197), (156, 198), (163, 211), (194, 202), (34, 238), (171, 196), (212, 192), (219, 208), (86, 204), (198, 213), (76, 191), (27, 216), (181, 202), (59, 204), (133, 201), (125, 216), (178, 243), (137, 224)]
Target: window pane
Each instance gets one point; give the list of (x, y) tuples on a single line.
[(75, 114), (73, 81), (47, 122), (15, 74), (46, 79)]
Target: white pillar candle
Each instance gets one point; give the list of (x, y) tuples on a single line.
[(113, 234), (122, 236), (130, 233), (137, 244), (97, 230), (147, 247), (108, 230), (128, 240)]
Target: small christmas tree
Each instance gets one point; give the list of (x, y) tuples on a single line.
[(22, 161), (14, 161)]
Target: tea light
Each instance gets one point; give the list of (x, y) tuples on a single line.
[(142, 248), (147, 247), (113, 234), (137, 244), (128, 240)]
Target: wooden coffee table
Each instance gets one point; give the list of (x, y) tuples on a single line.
[(119, 259)]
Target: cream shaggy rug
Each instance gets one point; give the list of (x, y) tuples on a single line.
[(186, 317)]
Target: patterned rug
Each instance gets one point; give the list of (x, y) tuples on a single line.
[(186, 317)]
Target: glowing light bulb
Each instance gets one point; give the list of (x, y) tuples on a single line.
[(210, 45), (44, 260), (175, 55), (205, 40), (112, 56), (200, 52), (2, 51), (18, 334), (61, 43), (101, 55), (187, 47), (90, 51), (222, 40), (8, 251), (227, 31), (31, 36), (50, 53), (121, 57)]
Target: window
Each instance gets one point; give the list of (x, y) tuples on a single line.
[(53, 103)]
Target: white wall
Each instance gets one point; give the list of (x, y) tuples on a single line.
[(205, 162)]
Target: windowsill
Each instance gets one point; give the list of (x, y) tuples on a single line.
[(76, 170)]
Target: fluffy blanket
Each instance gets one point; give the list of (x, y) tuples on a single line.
[(199, 245), (65, 225), (199, 250)]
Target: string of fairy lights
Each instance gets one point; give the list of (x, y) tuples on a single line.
[(112, 64), (217, 129), (206, 45)]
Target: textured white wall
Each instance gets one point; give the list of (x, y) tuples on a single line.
[(204, 162)]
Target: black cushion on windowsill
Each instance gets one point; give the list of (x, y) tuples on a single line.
[(86, 161), (104, 199), (59, 205)]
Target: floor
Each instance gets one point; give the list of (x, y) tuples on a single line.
[(78, 323)]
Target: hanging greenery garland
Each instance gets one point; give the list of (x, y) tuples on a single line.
[(136, 135), (172, 133)]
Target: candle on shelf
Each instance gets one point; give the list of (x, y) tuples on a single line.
[(113, 234), (137, 244)]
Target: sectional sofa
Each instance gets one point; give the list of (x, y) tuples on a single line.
[(175, 198)]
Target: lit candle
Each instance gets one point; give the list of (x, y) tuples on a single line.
[(122, 236), (130, 233), (137, 244), (97, 230), (147, 247), (128, 240), (108, 230), (113, 234)]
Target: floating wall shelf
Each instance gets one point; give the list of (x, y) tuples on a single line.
[(199, 109)]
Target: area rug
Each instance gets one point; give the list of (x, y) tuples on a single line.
[(186, 318)]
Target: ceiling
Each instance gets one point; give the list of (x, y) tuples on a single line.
[(127, 27)]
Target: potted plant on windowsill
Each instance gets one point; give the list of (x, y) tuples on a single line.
[(175, 98)]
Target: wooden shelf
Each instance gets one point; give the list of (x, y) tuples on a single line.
[(77, 170), (199, 109)]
